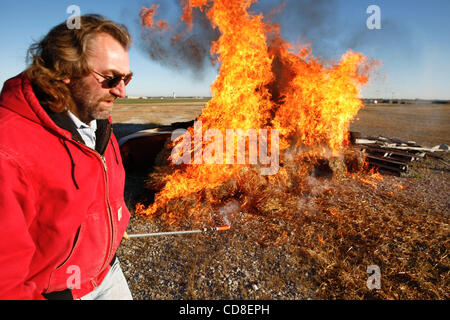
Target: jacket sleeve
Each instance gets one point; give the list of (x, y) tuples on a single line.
[(17, 247)]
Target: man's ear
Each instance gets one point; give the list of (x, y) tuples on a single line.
[(66, 81)]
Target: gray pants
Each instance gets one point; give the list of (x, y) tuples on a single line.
[(113, 287)]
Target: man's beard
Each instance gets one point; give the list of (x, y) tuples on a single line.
[(88, 103)]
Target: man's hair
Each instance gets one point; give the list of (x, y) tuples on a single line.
[(62, 54)]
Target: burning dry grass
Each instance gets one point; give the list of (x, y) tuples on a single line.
[(309, 237)]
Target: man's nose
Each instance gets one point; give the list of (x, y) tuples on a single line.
[(119, 90)]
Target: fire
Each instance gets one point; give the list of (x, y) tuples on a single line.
[(366, 181), (148, 18), (264, 83), (377, 176), (334, 212), (224, 228), (400, 187)]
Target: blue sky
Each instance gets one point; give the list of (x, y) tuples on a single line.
[(413, 43)]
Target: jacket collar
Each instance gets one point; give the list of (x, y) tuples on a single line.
[(102, 134)]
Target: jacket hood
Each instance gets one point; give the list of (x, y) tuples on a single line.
[(18, 96)]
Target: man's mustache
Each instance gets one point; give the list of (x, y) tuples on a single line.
[(111, 98)]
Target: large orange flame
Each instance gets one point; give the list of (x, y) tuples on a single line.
[(265, 83)]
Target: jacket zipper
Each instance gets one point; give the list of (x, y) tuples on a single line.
[(108, 206)]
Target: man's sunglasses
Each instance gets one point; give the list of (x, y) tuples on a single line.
[(113, 81)]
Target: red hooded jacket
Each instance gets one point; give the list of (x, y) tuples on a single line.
[(62, 210)]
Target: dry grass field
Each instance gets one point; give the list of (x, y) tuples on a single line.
[(426, 124), (307, 242), (130, 118)]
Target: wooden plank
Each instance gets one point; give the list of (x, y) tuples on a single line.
[(389, 152), (386, 159), (388, 163), (385, 167)]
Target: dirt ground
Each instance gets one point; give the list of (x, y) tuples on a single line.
[(342, 226), (132, 118), (426, 124)]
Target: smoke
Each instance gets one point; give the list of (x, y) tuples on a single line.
[(322, 23), (171, 43), (178, 48), (312, 21), (228, 210), (318, 22)]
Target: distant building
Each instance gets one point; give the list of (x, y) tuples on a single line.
[(135, 97)]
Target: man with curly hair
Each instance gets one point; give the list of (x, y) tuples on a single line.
[(62, 210)]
